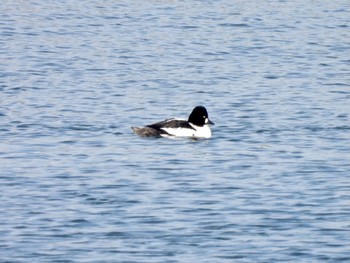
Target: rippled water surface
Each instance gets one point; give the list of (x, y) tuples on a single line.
[(271, 185)]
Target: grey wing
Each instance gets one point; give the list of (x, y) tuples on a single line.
[(146, 132)]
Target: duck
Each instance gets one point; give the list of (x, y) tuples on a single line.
[(196, 126)]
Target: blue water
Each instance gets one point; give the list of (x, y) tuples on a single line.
[(271, 185)]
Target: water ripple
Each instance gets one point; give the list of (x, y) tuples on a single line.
[(271, 185)]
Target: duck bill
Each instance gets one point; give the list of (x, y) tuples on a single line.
[(210, 122)]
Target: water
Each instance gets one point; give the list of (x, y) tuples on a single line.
[(271, 185)]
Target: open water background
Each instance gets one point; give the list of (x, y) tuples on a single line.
[(271, 185)]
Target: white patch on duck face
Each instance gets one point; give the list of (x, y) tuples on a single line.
[(199, 132)]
